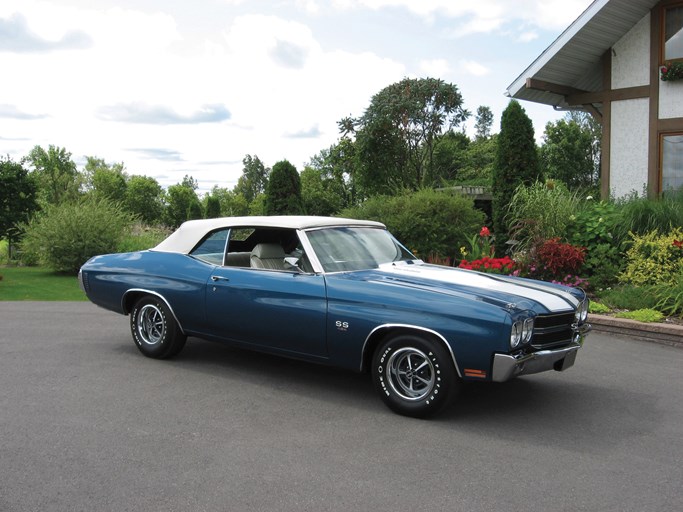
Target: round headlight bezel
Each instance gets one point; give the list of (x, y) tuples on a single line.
[(516, 334), (527, 330), (581, 314)]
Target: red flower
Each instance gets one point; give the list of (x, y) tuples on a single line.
[(485, 232), (678, 243), (664, 70)]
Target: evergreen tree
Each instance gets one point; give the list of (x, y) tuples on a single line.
[(18, 192), (283, 192), (516, 163)]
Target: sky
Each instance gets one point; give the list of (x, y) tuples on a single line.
[(172, 88)]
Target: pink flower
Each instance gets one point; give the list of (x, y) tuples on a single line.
[(485, 232)]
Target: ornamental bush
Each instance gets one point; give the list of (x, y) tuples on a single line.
[(65, 236), (654, 258)]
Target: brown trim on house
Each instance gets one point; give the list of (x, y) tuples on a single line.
[(606, 126), (625, 93), (541, 85), (653, 158)]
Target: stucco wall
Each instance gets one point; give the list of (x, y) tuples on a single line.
[(628, 146), (631, 57), (670, 99)]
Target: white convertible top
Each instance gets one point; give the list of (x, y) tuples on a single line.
[(183, 239)]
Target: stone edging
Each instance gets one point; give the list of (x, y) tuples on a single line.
[(665, 334)]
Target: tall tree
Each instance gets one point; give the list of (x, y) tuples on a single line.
[(254, 178), (516, 163), (567, 154), (182, 202), (484, 123), (449, 158), (17, 199), (144, 198), (320, 195), (231, 203), (57, 176), (283, 193), (397, 132), (106, 181)]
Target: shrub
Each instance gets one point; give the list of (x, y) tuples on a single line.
[(553, 261), (623, 297), (65, 236), (640, 215), (670, 297), (598, 308), (595, 227), (539, 212), (642, 315), (654, 258), (141, 237), (429, 222)]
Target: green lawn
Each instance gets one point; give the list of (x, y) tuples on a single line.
[(35, 283)]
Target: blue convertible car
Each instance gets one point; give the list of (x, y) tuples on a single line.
[(341, 292)]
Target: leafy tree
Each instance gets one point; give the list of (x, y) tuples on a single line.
[(64, 236), (254, 178), (397, 133), (481, 155), (182, 202), (56, 174), (516, 164), (105, 181), (283, 193), (232, 204), (449, 158), (144, 198), (320, 195), (567, 154), (484, 123), (17, 199), (212, 207)]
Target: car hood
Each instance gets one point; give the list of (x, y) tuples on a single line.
[(511, 293)]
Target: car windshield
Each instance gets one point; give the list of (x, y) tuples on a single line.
[(348, 249)]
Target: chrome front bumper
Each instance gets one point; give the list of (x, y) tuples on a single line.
[(506, 367)]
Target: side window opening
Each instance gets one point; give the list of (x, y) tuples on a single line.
[(212, 248)]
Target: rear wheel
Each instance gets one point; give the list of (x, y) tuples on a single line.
[(414, 375), (155, 331)]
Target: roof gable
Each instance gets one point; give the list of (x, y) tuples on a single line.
[(573, 61)]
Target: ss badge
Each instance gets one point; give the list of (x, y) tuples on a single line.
[(342, 326)]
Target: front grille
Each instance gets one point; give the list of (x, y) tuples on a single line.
[(553, 331)]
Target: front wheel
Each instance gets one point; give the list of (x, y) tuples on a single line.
[(414, 375), (155, 331)]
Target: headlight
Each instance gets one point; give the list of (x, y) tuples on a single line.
[(581, 314), (516, 334), (527, 330)]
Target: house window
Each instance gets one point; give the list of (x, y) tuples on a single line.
[(672, 162), (673, 33)]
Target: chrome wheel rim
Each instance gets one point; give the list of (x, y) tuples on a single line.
[(411, 374), (151, 324)]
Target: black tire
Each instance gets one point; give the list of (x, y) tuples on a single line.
[(414, 375), (155, 331)]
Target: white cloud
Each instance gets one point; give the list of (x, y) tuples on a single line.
[(435, 68), (474, 68)]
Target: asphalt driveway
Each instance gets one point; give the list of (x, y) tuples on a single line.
[(89, 424)]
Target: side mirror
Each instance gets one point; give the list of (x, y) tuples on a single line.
[(292, 263)]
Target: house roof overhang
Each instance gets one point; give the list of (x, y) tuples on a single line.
[(571, 68)]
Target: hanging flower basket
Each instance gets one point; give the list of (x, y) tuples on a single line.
[(671, 71)]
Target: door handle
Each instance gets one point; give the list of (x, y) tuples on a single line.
[(219, 278)]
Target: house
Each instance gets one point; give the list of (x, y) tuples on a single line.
[(609, 63)]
